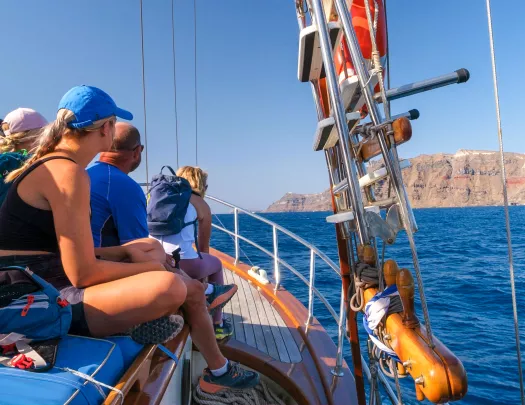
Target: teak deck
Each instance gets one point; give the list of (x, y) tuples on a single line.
[(270, 337), (258, 324)]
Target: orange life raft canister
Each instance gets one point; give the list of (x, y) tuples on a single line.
[(343, 62)]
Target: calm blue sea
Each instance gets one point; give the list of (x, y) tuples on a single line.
[(463, 255)]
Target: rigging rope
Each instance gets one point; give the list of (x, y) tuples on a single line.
[(505, 203), (365, 277), (144, 96), (387, 50), (174, 79), (233, 240), (376, 59), (393, 366), (195, 73), (386, 105)]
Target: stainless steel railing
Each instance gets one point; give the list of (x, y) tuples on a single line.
[(278, 261), (310, 283)]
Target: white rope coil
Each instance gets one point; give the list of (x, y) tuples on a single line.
[(357, 302)]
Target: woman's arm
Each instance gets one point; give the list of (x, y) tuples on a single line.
[(114, 253), (129, 254), (204, 217), (68, 196)]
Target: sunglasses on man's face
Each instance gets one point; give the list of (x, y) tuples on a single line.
[(138, 146)]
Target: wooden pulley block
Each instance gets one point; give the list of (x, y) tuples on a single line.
[(390, 270), (405, 287), (402, 133), (366, 254)]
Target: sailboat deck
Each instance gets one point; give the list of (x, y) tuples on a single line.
[(257, 324)]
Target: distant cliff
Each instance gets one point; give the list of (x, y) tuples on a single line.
[(467, 178)]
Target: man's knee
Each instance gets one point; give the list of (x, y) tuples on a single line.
[(195, 293), (150, 246)]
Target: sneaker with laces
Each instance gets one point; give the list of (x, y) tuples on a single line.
[(224, 331), (236, 378), (220, 296)]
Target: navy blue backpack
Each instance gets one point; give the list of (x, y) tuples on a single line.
[(169, 198)]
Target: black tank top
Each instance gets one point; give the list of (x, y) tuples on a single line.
[(24, 227)]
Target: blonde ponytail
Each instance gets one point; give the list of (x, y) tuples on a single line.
[(9, 143), (51, 136)]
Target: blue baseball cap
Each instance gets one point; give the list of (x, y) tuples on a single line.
[(90, 104)]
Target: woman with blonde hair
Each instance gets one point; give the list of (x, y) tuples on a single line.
[(21, 129), (200, 264), (45, 225)]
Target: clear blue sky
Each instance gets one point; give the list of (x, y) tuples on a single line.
[(256, 121)]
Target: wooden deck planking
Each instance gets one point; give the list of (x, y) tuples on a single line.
[(276, 331), (257, 324), (228, 307), (236, 315), (245, 288), (266, 325), (291, 346), (245, 315)]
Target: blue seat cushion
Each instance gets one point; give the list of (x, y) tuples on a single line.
[(105, 360)]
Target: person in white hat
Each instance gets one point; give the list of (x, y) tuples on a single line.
[(19, 136), (21, 129)]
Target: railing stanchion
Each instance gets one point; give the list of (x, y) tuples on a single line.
[(338, 369), (311, 288), (276, 270), (236, 229)]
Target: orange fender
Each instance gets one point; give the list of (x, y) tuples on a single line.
[(444, 377)]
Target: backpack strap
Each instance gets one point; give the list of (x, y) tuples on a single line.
[(195, 236), (151, 189), (169, 168)]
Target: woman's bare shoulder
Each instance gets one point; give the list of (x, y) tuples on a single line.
[(67, 175)]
